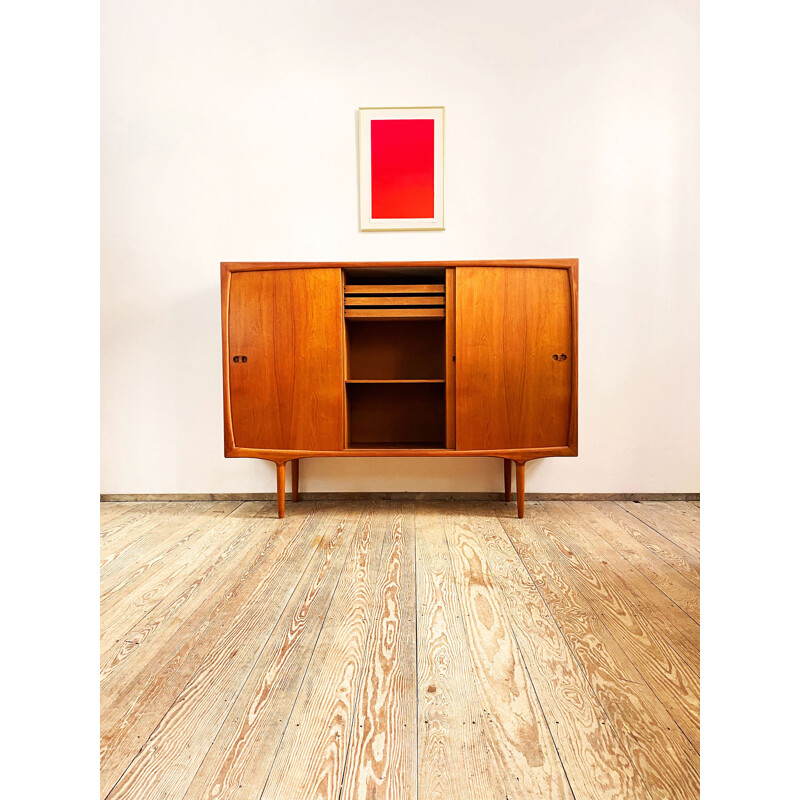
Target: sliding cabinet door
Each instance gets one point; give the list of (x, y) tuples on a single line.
[(285, 359), (513, 357)]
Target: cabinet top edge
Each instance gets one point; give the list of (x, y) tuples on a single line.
[(243, 266)]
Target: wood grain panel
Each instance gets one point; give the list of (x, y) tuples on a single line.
[(397, 412), (128, 654), (251, 606), (394, 288), (675, 683), (595, 760), (454, 760), (674, 526), (151, 581), (318, 730), (663, 755), (510, 391), (382, 751), (372, 266), (623, 581), (668, 551), (450, 356), (395, 350), (677, 587), (516, 731), (410, 300), (238, 762), (379, 314), (288, 394)]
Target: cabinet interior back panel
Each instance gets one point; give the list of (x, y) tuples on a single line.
[(395, 350)]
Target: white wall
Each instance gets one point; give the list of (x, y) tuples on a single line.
[(229, 133)]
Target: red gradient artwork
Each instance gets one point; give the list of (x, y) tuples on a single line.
[(402, 168)]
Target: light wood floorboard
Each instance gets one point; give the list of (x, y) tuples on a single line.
[(420, 649), (381, 759), (116, 517), (455, 760), (517, 733), (637, 629), (614, 577), (319, 727), (125, 655), (665, 549), (593, 755), (682, 591), (672, 525)]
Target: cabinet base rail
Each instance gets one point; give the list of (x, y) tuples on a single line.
[(280, 470)]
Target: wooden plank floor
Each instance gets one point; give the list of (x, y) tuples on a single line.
[(400, 650)]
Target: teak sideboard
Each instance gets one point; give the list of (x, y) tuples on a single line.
[(423, 358)]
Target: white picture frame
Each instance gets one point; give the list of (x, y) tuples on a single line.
[(368, 222)]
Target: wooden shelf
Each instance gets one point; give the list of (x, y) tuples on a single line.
[(418, 288), (379, 314), (387, 300), (395, 380), (397, 446)]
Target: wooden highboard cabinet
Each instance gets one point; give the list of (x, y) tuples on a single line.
[(476, 358)]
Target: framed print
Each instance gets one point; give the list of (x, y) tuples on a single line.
[(401, 168)]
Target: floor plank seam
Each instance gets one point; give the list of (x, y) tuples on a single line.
[(204, 528), (213, 590), (147, 739), (653, 546), (460, 511), (652, 553), (183, 511), (541, 707), (416, 646), (633, 566)]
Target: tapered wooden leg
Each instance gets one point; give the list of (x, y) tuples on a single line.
[(295, 479), (521, 490), (281, 470), (507, 478)]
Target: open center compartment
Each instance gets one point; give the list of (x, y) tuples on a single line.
[(395, 373)]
